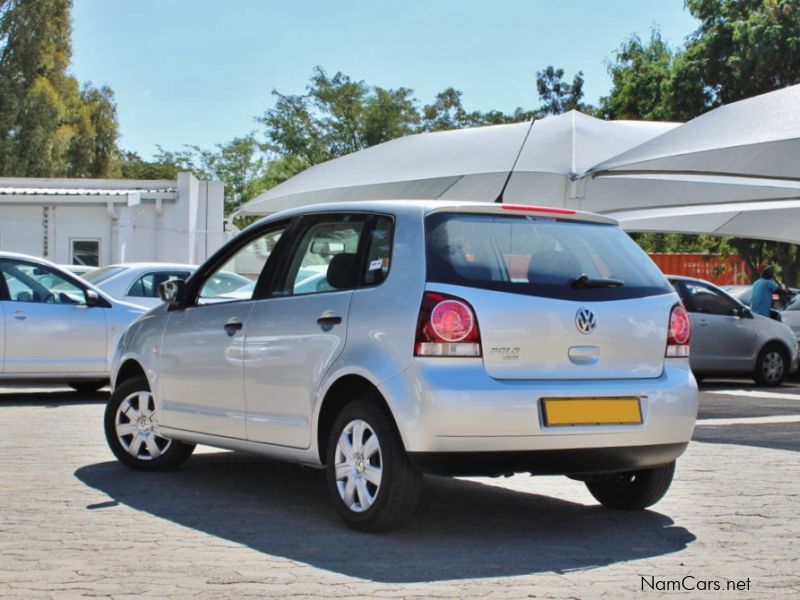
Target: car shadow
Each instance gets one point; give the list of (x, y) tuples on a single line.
[(462, 529), (50, 398)]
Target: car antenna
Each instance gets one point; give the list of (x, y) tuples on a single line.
[(499, 199)]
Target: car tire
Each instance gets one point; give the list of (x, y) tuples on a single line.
[(133, 434), (373, 485), (634, 490), (87, 387), (772, 366)]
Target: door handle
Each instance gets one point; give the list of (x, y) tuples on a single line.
[(232, 326), (329, 319), (702, 322), (20, 315)]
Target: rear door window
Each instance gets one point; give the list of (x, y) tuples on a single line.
[(539, 257), (326, 258)]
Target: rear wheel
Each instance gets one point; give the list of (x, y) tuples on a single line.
[(133, 432), (371, 482), (87, 387), (634, 490), (772, 366)]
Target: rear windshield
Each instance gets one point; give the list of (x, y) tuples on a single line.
[(99, 275), (538, 257)]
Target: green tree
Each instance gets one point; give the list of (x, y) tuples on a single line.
[(743, 47), (651, 81), (48, 126), (240, 164), (336, 116), (557, 95)]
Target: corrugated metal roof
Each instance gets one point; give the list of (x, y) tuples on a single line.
[(40, 191)]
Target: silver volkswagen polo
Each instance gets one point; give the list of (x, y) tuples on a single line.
[(383, 340)]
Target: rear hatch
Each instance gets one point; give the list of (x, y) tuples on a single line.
[(555, 298)]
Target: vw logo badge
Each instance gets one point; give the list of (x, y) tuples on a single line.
[(585, 320)]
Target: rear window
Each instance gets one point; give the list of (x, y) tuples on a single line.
[(538, 257)]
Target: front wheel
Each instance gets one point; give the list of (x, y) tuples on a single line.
[(133, 432), (772, 365), (371, 482), (634, 490)]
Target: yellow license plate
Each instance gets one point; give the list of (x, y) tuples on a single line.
[(559, 412)]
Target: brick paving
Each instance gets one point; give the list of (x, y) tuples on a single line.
[(74, 523)]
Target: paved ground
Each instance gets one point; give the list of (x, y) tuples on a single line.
[(75, 523)]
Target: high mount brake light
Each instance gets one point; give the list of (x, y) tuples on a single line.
[(539, 209), (680, 332), (446, 326)]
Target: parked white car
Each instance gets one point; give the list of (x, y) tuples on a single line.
[(56, 327), (448, 338), (138, 282)]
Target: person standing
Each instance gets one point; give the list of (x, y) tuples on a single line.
[(761, 302)]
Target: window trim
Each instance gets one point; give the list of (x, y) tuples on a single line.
[(373, 221), (305, 222)]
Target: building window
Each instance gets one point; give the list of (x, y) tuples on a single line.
[(85, 252)]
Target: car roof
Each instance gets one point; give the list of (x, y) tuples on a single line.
[(426, 207), (150, 265)]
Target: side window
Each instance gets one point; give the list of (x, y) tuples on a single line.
[(379, 252), (703, 299), (326, 258), (236, 279), (34, 283), (147, 285)]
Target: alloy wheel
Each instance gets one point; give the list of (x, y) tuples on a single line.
[(359, 465)]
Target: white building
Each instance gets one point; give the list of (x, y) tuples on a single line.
[(105, 221)]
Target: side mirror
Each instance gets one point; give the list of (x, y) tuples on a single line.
[(172, 292), (92, 298), (745, 313)]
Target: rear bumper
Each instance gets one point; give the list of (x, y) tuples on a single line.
[(547, 462), (453, 406)]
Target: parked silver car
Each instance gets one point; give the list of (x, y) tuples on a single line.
[(55, 326), (450, 338), (728, 339), (791, 317)]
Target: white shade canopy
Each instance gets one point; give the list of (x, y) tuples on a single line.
[(777, 220), (756, 137), (465, 164), (647, 174)]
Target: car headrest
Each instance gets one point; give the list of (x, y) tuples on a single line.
[(553, 267), (343, 271)]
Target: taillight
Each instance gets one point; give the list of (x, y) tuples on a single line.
[(446, 327), (680, 330)]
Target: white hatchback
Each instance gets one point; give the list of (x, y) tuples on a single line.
[(448, 338)]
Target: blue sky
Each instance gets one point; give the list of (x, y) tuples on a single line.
[(199, 71)]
